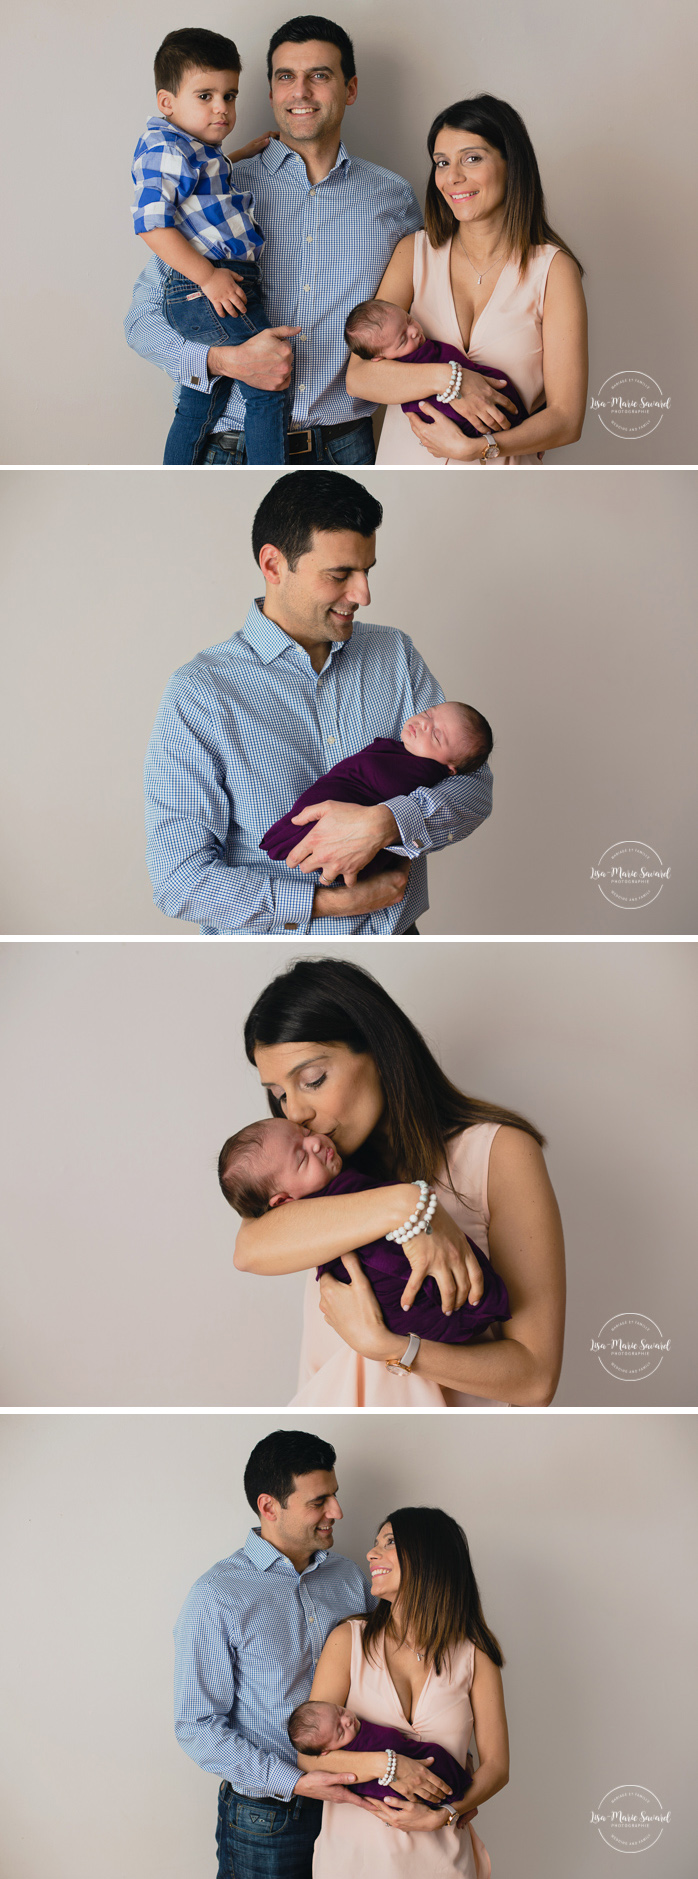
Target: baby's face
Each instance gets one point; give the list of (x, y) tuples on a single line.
[(298, 1164), (204, 106), (440, 733), (399, 334), (337, 1726)]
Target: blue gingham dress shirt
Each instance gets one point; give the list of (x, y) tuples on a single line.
[(327, 246), (241, 731), (184, 184), (248, 1640)]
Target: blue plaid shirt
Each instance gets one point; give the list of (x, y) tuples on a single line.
[(184, 184), (248, 1640), (327, 246), (241, 731)]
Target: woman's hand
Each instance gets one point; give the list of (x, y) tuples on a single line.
[(409, 1816), (443, 1255), (482, 403), (444, 439), (354, 1313), (415, 1781)]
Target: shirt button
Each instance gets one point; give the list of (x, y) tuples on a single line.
[(417, 844), (290, 926), (450, 836), (329, 740), (309, 238), (302, 335), (301, 388), (312, 192), (306, 289)]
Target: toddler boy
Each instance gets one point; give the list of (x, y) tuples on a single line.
[(189, 214)]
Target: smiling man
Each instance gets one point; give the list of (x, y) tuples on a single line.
[(330, 224), (248, 1640), (248, 725)]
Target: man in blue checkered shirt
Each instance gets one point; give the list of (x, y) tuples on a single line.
[(188, 213), (247, 725), (331, 223)]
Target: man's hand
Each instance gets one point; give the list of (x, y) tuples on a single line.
[(225, 291), (380, 890), (265, 360), (343, 838), (325, 1787)]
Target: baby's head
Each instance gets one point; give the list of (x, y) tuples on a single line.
[(316, 1728), (273, 1161), (196, 79), (378, 330), (454, 734)]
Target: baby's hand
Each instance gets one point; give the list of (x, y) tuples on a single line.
[(225, 292), (252, 149)]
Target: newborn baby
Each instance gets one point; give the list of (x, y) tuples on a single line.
[(274, 1161), (323, 1728), (378, 330), (447, 740)]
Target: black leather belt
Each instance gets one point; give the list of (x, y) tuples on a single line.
[(300, 443)]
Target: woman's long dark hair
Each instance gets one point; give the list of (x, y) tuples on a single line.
[(439, 1602), (525, 222), (329, 1001)]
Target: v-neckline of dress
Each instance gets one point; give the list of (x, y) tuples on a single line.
[(394, 1689), (483, 310)]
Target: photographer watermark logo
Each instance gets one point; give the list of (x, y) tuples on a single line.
[(630, 1346), (630, 404), (630, 874), (630, 1819)]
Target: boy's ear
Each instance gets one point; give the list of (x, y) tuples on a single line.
[(453, 768), (277, 1200), (166, 103)]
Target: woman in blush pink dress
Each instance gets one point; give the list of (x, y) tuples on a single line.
[(488, 276), (425, 1662), (337, 1055)]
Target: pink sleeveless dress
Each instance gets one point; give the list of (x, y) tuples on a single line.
[(331, 1375), (508, 333), (352, 1844)]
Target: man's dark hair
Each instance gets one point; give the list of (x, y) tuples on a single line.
[(279, 1459), (193, 49), (297, 506), (313, 26)]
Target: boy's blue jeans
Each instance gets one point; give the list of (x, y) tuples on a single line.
[(265, 1839), (267, 413)]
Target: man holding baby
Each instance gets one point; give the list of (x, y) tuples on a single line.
[(249, 725)]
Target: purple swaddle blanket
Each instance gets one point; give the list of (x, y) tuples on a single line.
[(387, 1267), (373, 1736), (384, 769), (434, 350)]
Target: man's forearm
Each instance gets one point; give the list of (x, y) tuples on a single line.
[(230, 899), (434, 818), (220, 1750)]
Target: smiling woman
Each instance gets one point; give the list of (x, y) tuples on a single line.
[(492, 280), (423, 1662), (340, 1059)]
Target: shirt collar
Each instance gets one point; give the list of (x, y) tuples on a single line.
[(276, 154), (270, 640), (263, 1555)]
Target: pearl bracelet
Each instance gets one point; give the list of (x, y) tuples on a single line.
[(426, 1206), (453, 388), (385, 1780)]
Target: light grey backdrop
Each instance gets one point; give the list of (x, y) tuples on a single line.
[(608, 98), (583, 1534), (566, 612), (125, 1072)]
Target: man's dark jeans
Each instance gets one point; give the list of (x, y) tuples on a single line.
[(267, 413), (265, 1839)]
